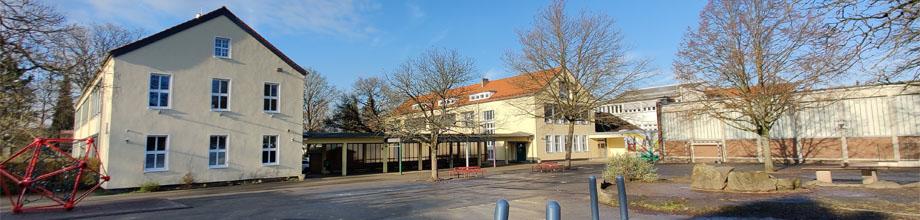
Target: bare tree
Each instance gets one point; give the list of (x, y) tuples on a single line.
[(888, 29), (318, 94), (578, 62), (377, 102), (87, 47), (752, 61), (430, 83), (29, 33)]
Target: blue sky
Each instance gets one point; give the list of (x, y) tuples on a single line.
[(345, 40)]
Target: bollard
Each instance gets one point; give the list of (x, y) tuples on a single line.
[(501, 210), (592, 188), (621, 191), (553, 211)]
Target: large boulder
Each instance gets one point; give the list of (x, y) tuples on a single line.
[(750, 182), (709, 177)]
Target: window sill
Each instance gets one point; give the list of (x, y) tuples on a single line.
[(272, 112), (270, 164), (220, 110), (218, 167), (222, 57), (155, 170), (158, 108)]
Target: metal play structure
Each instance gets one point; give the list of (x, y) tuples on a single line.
[(45, 175)]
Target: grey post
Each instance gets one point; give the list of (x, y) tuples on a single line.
[(621, 191), (592, 188), (501, 210), (553, 211)]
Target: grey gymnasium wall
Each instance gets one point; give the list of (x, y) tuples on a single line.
[(870, 123)]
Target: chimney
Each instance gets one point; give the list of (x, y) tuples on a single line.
[(485, 81), (197, 15)]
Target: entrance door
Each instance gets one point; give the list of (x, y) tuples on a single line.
[(521, 150)]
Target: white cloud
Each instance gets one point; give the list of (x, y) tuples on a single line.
[(342, 18)]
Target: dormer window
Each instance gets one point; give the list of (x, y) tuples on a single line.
[(222, 47), (449, 101), (480, 96), (418, 106)]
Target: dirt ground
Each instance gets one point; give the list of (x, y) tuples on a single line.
[(673, 195)]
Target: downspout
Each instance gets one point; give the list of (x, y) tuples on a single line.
[(660, 129)]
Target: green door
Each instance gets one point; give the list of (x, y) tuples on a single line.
[(521, 150)]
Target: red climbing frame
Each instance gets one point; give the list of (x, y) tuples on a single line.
[(29, 181)]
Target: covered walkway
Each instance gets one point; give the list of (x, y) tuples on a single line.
[(365, 153)]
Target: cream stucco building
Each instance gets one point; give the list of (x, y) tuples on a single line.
[(498, 122), (209, 98)]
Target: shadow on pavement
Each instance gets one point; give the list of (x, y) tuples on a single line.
[(790, 208)]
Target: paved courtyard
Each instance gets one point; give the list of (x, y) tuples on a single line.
[(362, 197), (391, 196)]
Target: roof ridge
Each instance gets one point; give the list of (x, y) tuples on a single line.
[(223, 10)]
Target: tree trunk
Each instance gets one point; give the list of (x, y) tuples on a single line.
[(767, 153), (433, 152), (568, 145)]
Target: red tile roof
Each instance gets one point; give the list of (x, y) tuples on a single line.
[(502, 89)]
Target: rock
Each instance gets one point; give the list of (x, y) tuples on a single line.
[(606, 193), (750, 182), (787, 184), (709, 177), (882, 184)]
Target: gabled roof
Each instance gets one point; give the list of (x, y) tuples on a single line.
[(204, 18), (502, 89)]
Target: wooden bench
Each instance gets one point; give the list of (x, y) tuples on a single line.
[(546, 166), (466, 171), (869, 173)]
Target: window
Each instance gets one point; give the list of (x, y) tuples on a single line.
[(480, 96), (270, 99), (468, 118), (220, 94), (558, 144), (490, 145), (449, 101), (155, 154), (217, 151), (576, 143), (488, 117), (222, 47), (270, 149), (563, 90), (549, 143), (581, 143), (159, 91)]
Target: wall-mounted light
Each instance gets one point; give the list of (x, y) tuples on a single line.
[(279, 70)]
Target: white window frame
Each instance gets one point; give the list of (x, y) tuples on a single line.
[(218, 151), (450, 101), (165, 153), (276, 150), (488, 124), (277, 97), (169, 96), (559, 144), (549, 144), (211, 90), (480, 96), (229, 47), (490, 147)]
